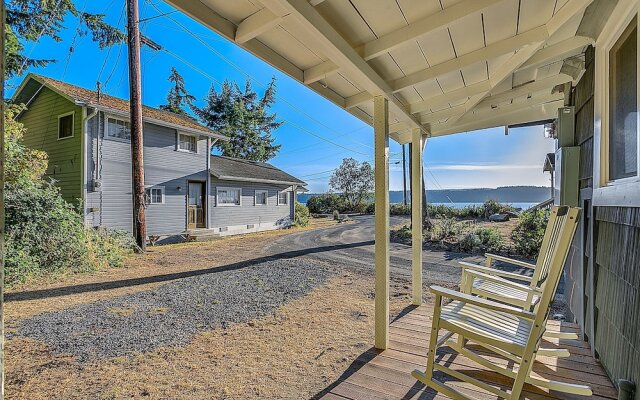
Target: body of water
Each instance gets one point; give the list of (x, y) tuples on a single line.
[(520, 205)]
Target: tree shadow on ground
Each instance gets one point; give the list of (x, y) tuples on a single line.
[(99, 286)]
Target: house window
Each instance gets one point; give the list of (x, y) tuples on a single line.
[(65, 126), (283, 198), (228, 196), (623, 105), (118, 129), (154, 195), (261, 197), (187, 143)]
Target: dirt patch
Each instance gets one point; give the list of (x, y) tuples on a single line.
[(292, 354)]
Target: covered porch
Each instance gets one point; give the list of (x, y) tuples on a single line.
[(415, 71), (386, 374)]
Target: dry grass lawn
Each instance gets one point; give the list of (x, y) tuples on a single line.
[(292, 354)]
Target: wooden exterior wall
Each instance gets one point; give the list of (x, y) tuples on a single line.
[(65, 155), (617, 292), (611, 244)]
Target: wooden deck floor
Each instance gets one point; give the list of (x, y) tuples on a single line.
[(387, 374)]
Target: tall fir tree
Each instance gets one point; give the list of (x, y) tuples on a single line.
[(245, 118), (178, 98), (30, 20)]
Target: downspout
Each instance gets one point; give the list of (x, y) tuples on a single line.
[(83, 167)]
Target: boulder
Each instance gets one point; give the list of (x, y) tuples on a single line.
[(499, 217)]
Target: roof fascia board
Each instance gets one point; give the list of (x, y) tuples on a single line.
[(533, 113), (258, 180)]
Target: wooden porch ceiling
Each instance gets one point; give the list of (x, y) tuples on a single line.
[(386, 374), (446, 66)]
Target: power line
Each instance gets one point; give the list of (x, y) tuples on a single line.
[(248, 75)]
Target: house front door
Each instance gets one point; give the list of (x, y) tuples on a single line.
[(196, 206)]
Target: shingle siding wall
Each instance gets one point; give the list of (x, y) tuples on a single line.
[(164, 166), (248, 213), (65, 161)]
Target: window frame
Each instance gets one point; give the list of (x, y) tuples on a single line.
[(185, 150), (623, 191), (219, 188), (73, 123), (150, 188), (266, 197), (107, 117), (288, 198)]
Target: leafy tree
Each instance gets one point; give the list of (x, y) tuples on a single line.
[(178, 97), (29, 20), (244, 118), (354, 180)]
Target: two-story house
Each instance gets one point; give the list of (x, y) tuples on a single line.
[(87, 138)]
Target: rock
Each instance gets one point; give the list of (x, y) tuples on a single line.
[(499, 217)]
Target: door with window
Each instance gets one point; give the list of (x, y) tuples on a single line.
[(196, 206)]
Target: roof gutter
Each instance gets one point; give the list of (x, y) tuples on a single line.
[(257, 180), (162, 123)]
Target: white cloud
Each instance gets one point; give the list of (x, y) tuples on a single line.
[(481, 167)]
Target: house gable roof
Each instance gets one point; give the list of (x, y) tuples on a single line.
[(235, 169), (33, 83)]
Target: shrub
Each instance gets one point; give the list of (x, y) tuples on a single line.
[(469, 242), (371, 208), (490, 239), (326, 204), (493, 207), (45, 234), (447, 228), (529, 232), (399, 209), (301, 217)]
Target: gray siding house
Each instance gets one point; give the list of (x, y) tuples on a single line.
[(189, 191)]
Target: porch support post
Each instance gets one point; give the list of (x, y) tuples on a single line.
[(416, 215), (381, 134)]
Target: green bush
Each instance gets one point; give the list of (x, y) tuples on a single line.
[(399, 209), (45, 234), (493, 207), (529, 232), (469, 242), (371, 208), (301, 217), (326, 204), (490, 239)]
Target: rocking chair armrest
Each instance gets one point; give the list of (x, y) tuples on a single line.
[(493, 271), (502, 281), (491, 256), (491, 305)]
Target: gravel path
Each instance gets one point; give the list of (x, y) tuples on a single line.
[(172, 314)]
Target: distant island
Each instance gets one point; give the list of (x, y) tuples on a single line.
[(505, 194)]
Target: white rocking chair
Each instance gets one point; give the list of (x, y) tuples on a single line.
[(511, 332)]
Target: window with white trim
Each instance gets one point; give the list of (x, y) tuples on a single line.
[(154, 195), (623, 105), (187, 143), (228, 196), (261, 197), (118, 129), (65, 125), (283, 198)]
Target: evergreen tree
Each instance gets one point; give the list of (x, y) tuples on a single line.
[(178, 98), (244, 118), (30, 20)]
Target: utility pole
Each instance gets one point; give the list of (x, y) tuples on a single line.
[(2, 227), (404, 179), (135, 100)]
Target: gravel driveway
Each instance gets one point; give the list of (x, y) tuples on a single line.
[(172, 314)]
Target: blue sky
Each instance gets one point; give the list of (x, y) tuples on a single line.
[(316, 135)]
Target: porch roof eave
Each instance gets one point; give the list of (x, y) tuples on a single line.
[(472, 80)]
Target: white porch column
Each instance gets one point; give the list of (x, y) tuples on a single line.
[(381, 140), (416, 215)]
